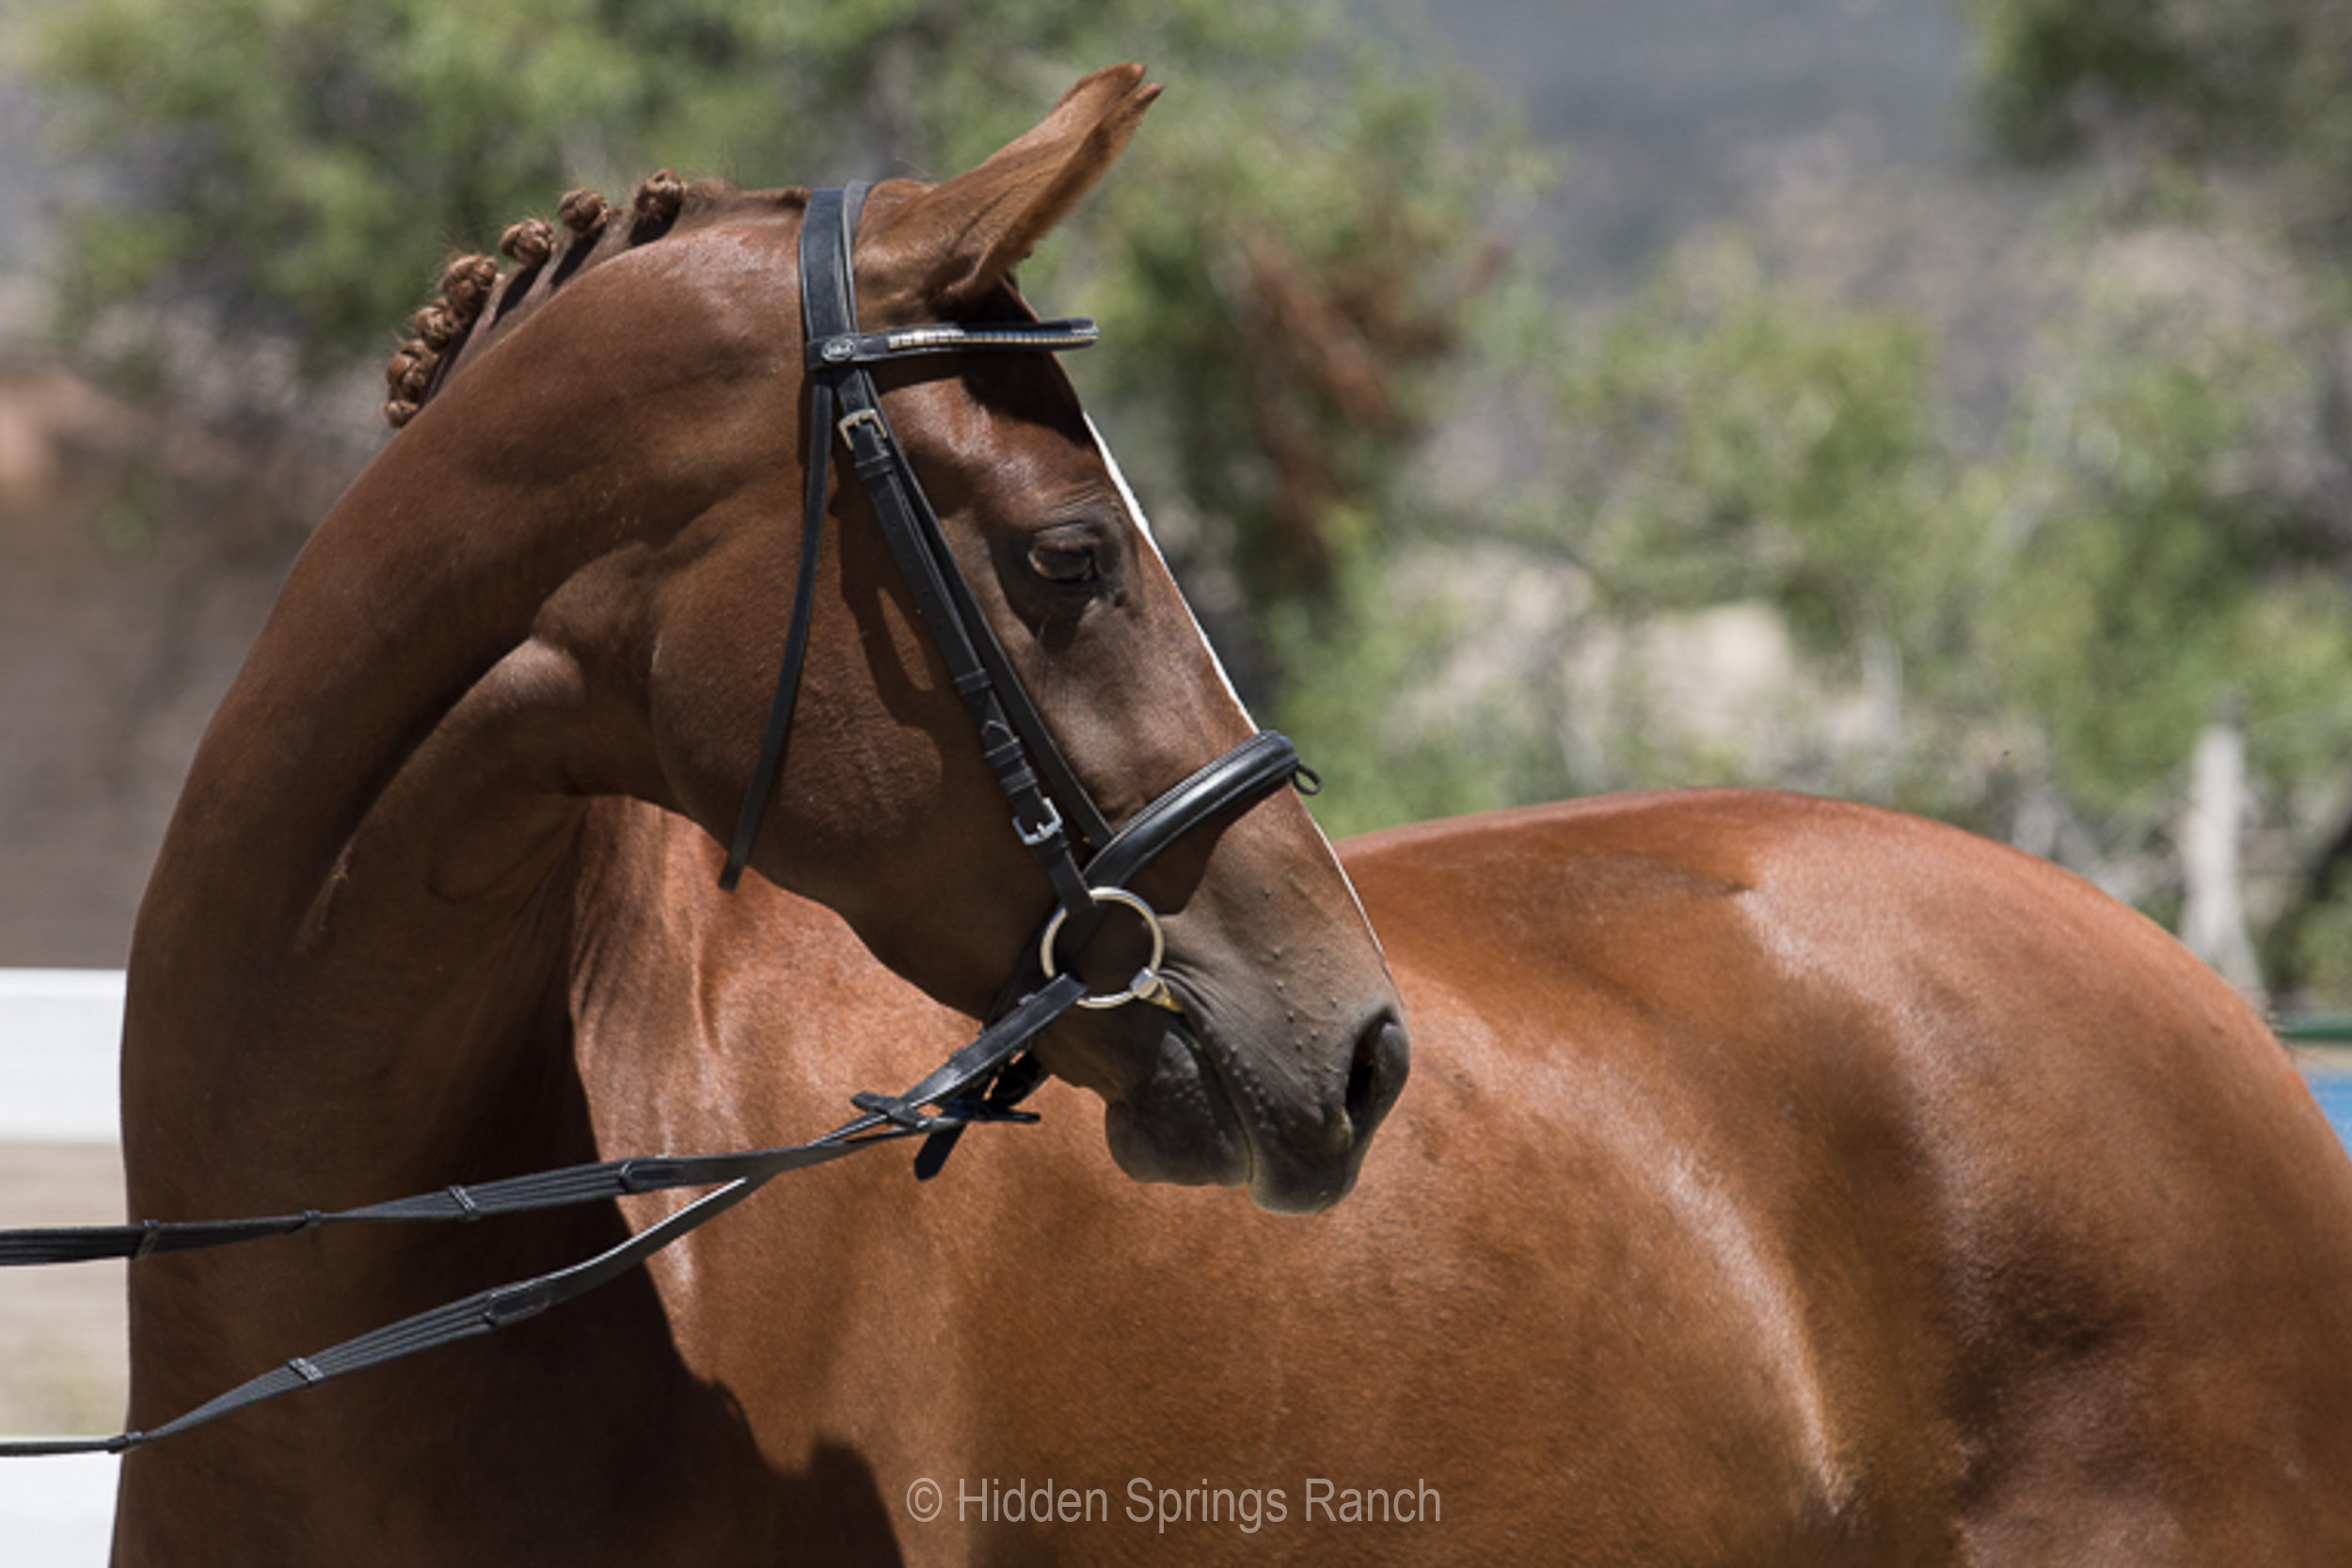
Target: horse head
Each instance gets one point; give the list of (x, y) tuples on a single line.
[(637, 401)]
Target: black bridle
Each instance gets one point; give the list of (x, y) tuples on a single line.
[(1052, 813), (1049, 804)]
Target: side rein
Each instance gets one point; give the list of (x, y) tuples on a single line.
[(1051, 812)]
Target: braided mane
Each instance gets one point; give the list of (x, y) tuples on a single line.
[(474, 288)]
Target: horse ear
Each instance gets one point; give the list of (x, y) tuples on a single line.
[(952, 243)]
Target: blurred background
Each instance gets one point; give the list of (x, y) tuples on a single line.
[(1940, 403)]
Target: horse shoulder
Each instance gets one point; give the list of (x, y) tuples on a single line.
[(2001, 1164)]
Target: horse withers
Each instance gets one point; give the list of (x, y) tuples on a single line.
[(359, 962)]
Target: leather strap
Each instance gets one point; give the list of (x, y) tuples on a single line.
[(737, 1175), (982, 1082), (1048, 801), (838, 208), (870, 348)]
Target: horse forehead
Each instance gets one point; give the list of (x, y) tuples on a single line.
[(1012, 418)]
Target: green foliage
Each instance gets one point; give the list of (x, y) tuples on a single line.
[(2199, 573), (1314, 298), (1282, 264), (1723, 440), (1716, 445), (2315, 952), (303, 163), (2203, 74), (2253, 82), (1402, 726), (2150, 582), (2024, 636)]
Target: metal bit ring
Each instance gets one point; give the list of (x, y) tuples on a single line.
[(1147, 985)]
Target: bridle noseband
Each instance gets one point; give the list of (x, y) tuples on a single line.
[(983, 1080)]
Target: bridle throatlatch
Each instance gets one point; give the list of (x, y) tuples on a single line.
[(1052, 813)]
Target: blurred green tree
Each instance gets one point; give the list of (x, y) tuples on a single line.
[(1715, 443), (1766, 552), (2257, 83), (2235, 115), (1282, 266), (1758, 551)]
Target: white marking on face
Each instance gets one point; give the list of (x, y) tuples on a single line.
[(1143, 526)]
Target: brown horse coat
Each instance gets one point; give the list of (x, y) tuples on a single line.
[(565, 583), (1782, 1182)]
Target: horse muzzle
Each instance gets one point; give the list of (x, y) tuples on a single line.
[(1232, 1108)]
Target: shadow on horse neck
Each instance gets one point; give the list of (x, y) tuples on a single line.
[(563, 583)]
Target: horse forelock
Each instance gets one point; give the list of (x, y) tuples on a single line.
[(480, 302)]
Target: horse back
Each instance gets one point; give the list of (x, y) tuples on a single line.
[(2043, 1214)]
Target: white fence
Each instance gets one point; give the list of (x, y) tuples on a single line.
[(60, 1030)]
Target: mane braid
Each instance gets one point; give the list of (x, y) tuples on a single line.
[(472, 287), (466, 290)]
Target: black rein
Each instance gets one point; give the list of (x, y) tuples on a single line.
[(1051, 812)]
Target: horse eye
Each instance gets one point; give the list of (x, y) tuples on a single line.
[(1067, 560)]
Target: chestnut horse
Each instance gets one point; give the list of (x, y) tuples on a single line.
[(355, 970), (1784, 1182)]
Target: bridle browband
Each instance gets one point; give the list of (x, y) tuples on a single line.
[(1052, 813)]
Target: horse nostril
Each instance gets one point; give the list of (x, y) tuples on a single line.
[(1376, 1072)]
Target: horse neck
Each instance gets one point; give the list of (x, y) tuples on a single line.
[(360, 900)]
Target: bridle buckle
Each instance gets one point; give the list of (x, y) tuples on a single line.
[(1040, 835)]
